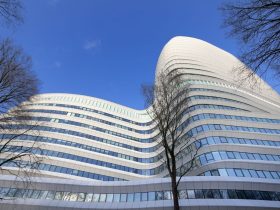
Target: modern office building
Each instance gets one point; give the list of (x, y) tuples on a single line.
[(102, 155)]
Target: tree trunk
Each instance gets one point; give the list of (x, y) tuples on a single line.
[(175, 193)]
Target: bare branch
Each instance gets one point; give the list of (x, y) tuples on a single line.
[(11, 12), (17, 85), (256, 24), (168, 104)]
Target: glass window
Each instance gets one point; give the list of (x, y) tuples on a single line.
[(232, 194), (63, 170), (241, 194), (249, 194), (130, 197), (267, 157), (209, 157), (67, 196), (137, 197), (238, 172), (198, 194), (203, 142), (257, 195), (267, 174), (237, 155), (217, 140), (215, 172), (250, 156), (210, 140), (195, 117), (19, 193), (274, 196), (217, 127), (263, 157), (216, 194), (183, 194), (109, 198), (259, 142), (144, 196), (254, 141), (116, 197), (202, 160), (74, 197), (11, 192), (223, 140), (235, 141), (151, 196), (102, 197), (167, 195), (88, 197), (43, 194), (198, 144), (208, 193), (28, 193), (35, 194), (159, 195), (224, 194), (276, 157), (265, 195), (246, 173), (207, 173), (199, 129), (274, 175), (223, 172), (257, 156), (81, 197), (95, 197), (223, 155), (230, 140), (260, 174), (216, 155), (123, 197), (253, 173), (230, 172), (50, 195), (243, 155)]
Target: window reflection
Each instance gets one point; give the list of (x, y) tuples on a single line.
[(139, 197)]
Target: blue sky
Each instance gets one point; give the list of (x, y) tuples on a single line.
[(108, 48)]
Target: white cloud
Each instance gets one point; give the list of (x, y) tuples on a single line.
[(89, 45)]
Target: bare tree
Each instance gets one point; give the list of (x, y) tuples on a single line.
[(17, 85), (168, 105), (10, 12), (19, 155), (256, 23)]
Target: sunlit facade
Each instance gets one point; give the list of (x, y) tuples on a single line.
[(103, 155)]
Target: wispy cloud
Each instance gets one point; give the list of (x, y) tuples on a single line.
[(91, 44), (57, 64), (53, 3)]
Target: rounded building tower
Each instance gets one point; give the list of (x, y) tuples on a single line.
[(102, 155)]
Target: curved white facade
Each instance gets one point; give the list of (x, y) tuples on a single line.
[(89, 139)]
